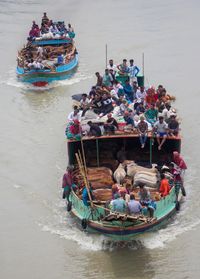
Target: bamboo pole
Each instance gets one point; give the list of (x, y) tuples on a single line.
[(82, 171)]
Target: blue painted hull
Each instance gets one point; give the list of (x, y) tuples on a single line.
[(47, 76)]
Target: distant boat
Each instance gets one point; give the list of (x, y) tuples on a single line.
[(46, 58)]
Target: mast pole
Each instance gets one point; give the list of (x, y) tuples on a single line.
[(106, 56), (143, 64)]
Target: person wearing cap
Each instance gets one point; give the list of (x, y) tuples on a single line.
[(118, 204), (142, 129), (68, 182), (161, 129), (173, 126)]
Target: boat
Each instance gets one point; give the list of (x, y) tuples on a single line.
[(96, 161), (47, 57)]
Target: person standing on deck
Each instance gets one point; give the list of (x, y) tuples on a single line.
[(123, 68), (178, 160), (142, 128), (112, 66), (133, 71), (67, 182), (161, 129)]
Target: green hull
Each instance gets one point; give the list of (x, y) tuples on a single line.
[(122, 230)]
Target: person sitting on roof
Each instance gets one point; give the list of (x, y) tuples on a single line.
[(75, 128), (118, 204), (97, 104), (107, 79), (74, 115), (128, 90), (111, 124), (84, 103), (151, 96), (161, 129), (99, 79), (142, 129), (134, 207), (151, 114), (140, 93), (94, 131), (107, 103), (140, 108), (173, 126), (123, 68), (129, 121), (164, 186), (44, 29)]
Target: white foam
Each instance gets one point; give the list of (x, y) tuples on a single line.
[(12, 80), (17, 186), (85, 241)]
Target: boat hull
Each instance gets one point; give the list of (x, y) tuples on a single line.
[(122, 230), (44, 77)]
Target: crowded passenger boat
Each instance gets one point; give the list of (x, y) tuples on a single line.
[(49, 54), (125, 172)]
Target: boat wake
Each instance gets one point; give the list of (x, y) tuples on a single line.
[(11, 80), (60, 223)]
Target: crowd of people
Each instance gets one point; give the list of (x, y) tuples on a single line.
[(41, 57), (140, 109), (50, 29)]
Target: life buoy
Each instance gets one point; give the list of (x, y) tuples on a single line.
[(69, 206), (84, 223)]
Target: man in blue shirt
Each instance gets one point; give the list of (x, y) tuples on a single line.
[(133, 71)]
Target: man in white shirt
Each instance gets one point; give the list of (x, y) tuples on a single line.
[(112, 66), (161, 129), (75, 115)]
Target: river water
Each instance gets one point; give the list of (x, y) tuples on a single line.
[(37, 237)]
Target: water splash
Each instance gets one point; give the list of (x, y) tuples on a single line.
[(11, 80)]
